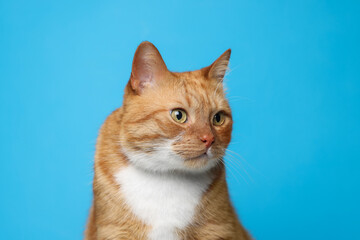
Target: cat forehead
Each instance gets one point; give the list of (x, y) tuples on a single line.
[(195, 91), (190, 74), (190, 90), (195, 80)]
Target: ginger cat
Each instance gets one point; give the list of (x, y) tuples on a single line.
[(159, 172)]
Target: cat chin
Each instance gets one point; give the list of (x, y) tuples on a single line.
[(185, 169), (162, 161)]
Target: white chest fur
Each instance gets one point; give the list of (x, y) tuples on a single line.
[(165, 202)]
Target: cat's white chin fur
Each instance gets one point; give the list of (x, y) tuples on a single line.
[(164, 159)]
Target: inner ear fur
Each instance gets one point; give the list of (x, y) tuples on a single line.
[(218, 68), (148, 67)]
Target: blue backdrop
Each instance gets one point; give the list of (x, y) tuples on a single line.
[(294, 88)]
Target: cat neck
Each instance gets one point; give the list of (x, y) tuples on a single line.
[(166, 201)]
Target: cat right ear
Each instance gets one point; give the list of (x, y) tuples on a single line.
[(218, 69), (147, 67)]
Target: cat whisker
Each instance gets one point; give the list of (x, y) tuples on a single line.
[(243, 159), (235, 167), (230, 170), (238, 163), (233, 160), (238, 167)]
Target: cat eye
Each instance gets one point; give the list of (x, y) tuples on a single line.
[(178, 115), (218, 119)]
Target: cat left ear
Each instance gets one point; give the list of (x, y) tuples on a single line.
[(148, 66), (218, 69)]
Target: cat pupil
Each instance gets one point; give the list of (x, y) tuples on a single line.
[(178, 115), (217, 117)]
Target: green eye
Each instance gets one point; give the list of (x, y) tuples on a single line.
[(178, 115), (219, 119)]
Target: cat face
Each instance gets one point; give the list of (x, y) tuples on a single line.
[(175, 121)]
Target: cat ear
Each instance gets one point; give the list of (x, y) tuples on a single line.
[(147, 66), (218, 69)]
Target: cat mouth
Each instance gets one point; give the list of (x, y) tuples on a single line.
[(199, 157), (202, 161)]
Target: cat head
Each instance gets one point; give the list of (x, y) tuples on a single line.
[(175, 121)]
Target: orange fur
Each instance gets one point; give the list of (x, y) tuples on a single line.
[(143, 121)]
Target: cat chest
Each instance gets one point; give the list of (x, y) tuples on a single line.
[(163, 202)]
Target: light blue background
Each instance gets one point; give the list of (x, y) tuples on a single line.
[(294, 89)]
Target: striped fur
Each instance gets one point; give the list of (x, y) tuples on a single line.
[(155, 178)]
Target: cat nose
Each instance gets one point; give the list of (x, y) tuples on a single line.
[(208, 139)]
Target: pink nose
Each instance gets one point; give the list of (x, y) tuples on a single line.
[(208, 139)]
